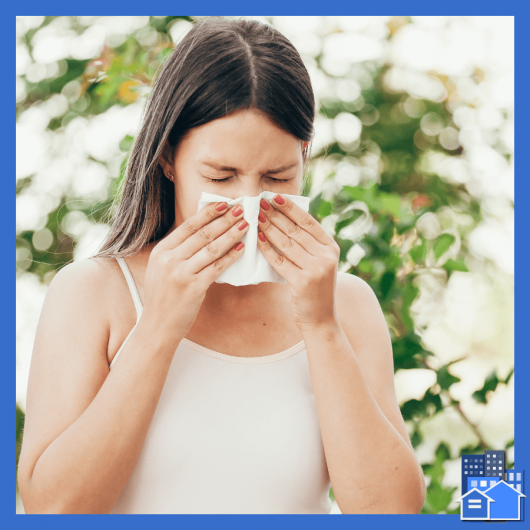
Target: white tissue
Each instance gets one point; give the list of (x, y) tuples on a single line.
[(252, 267)]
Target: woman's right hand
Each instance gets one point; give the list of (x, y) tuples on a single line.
[(185, 263)]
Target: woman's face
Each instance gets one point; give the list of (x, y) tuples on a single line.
[(239, 155)]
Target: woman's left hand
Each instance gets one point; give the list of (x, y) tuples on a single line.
[(309, 262)]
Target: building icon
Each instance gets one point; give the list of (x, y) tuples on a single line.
[(489, 490), (515, 478), (494, 464), (475, 505), (482, 484), (472, 468)]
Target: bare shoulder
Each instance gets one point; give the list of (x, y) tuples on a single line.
[(77, 299), (93, 271), (351, 282), (91, 279), (363, 321), (356, 300)]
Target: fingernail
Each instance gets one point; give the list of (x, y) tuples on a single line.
[(237, 211), (240, 245), (221, 206), (261, 217), (261, 236), (264, 204), (279, 199), (242, 224)]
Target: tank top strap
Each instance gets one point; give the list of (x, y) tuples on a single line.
[(132, 287)]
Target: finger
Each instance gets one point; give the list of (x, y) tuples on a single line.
[(209, 232), (287, 246), (304, 219), (291, 229), (216, 248), (192, 225), (281, 264), (215, 269)]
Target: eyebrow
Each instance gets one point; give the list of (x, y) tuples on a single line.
[(220, 167)]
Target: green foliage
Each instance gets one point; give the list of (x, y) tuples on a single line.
[(455, 265), (438, 496), (427, 407), (418, 252), (400, 191), (490, 385), (20, 429)]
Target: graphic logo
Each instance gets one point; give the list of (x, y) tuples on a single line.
[(489, 491)]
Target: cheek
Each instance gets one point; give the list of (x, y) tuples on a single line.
[(295, 185), (187, 195)]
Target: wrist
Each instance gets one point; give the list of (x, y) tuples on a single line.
[(158, 337), (328, 328)]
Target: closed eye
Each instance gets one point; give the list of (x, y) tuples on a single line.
[(230, 178)]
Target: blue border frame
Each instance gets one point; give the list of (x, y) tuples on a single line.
[(303, 8)]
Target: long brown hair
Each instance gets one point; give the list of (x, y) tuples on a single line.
[(220, 66)]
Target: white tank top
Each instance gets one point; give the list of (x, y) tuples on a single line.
[(230, 435)]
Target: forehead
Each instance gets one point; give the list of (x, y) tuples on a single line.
[(243, 124), (243, 141)]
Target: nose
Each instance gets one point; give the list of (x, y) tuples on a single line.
[(251, 185)]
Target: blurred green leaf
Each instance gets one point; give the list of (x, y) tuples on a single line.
[(387, 282), (324, 208), (390, 203), (438, 496), (410, 292), (126, 143), (427, 407), (444, 378), (455, 265), (20, 429), (442, 244), (490, 385), (418, 252), (508, 377)]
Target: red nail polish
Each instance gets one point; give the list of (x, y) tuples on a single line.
[(221, 206), (261, 217), (239, 246), (264, 204), (261, 235), (243, 224), (237, 211), (279, 199)]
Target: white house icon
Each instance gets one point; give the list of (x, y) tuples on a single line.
[(475, 505)]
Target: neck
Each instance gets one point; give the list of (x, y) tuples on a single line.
[(246, 302)]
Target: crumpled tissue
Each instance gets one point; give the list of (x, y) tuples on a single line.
[(252, 267)]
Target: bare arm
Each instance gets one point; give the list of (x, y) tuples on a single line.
[(85, 427), (372, 465)]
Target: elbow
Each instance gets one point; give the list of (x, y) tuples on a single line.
[(411, 504), (412, 500), (422, 494), (415, 499), (31, 500), (414, 504), (32, 505), (405, 497), (413, 491), (23, 487)]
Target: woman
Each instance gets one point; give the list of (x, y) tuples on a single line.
[(223, 399)]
